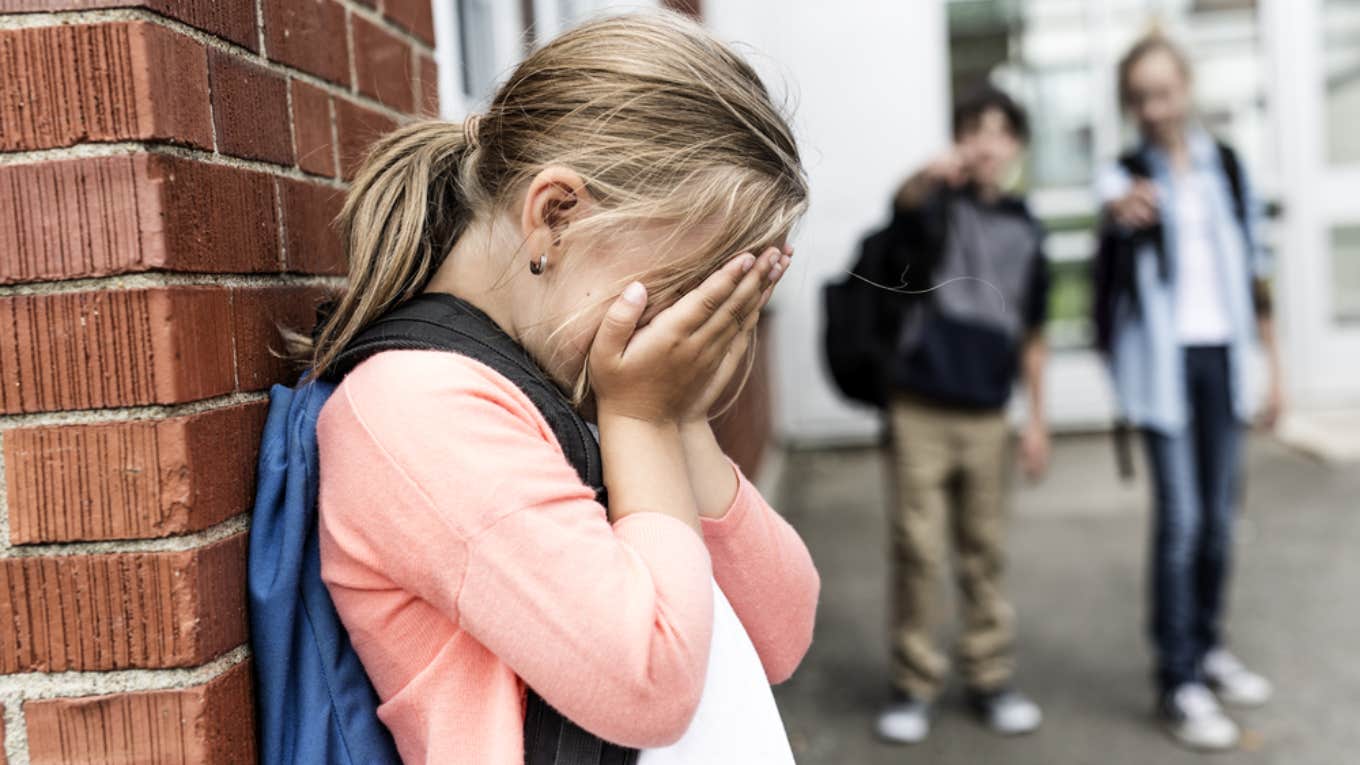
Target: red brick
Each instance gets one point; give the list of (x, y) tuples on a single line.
[(250, 109), (234, 21), (416, 16), (102, 82), (357, 128), (218, 218), (259, 315), (312, 125), (427, 89), (122, 480), (111, 611), (309, 211), (209, 724), (97, 216), (309, 35), (87, 350), (382, 64)]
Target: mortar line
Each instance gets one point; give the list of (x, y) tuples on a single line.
[(335, 142), (127, 148), (124, 414), (153, 279), (181, 543), (29, 686), (282, 229), (259, 28), (16, 732), (349, 45)]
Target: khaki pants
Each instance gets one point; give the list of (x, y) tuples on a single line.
[(949, 468)]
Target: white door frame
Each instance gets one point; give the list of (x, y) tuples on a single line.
[(1322, 358)]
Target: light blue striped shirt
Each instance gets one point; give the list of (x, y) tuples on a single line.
[(1146, 361)]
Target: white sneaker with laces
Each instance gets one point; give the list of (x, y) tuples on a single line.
[(1194, 718), (904, 721), (1233, 682)]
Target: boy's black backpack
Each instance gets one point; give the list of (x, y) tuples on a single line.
[(864, 311), (855, 354), (315, 703), (1114, 268)]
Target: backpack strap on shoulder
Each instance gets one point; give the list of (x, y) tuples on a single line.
[(1259, 289), (1232, 168), (438, 321), (1134, 163)]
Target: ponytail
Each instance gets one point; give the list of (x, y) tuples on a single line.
[(665, 124), (402, 215)]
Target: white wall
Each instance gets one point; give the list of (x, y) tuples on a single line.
[(868, 81)]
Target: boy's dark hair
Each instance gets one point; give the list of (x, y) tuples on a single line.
[(968, 112)]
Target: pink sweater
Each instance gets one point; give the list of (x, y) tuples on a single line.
[(464, 554)]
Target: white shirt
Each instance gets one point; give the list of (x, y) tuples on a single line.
[(1201, 310), (737, 721)]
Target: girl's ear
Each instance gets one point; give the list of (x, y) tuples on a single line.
[(556, 197)]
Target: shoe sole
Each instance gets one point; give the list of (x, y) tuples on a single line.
[(1236, 701), (900, 741), (1013, 733), (1196, 747)]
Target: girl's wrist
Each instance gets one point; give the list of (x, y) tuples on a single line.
[(614, 421)]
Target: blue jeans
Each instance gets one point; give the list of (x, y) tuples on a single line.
[(1194, 475)]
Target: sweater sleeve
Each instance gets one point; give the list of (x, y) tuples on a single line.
[(767, 574), (611, 624)]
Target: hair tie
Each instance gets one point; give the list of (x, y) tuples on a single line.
[(472, 130)]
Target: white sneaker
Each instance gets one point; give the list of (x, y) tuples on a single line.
[(904, 721), (1194, 718), (1008, 712), (1233, 682)]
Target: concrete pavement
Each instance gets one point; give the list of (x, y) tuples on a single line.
[(1077, 548)]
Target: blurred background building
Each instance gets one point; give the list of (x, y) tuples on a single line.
[(871, 83)]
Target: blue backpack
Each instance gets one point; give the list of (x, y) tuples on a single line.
[(314, 702)]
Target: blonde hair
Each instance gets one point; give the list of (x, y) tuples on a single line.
[(1154, 41), (665, 124)]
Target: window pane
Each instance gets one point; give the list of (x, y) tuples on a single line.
[(1346, 274), (1060, 105), (476, 38), (1341, 52)]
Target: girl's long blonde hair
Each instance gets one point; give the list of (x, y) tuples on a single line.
[(665, 124)]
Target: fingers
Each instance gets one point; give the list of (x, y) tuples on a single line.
[(694, 309), (769, 289), (1141, 205), (742, 305), (1135, 211), (620, 321)]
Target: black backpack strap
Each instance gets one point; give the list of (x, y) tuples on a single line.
[(441, 322), (1232, 167), (1136, 164)]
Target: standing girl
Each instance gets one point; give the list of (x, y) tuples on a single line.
[(1188, 305), (594, 215)]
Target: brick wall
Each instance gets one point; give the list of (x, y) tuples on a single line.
[(168, 169)]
